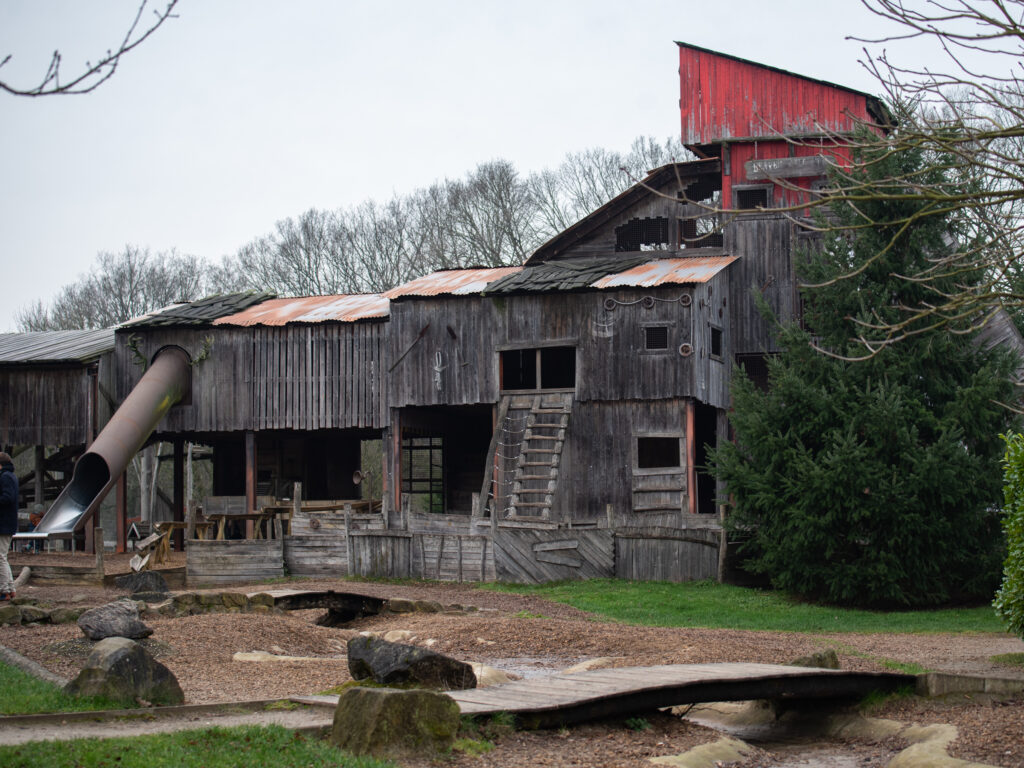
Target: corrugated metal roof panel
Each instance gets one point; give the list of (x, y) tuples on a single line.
[(457, 282), (667, 271), (311, 309), (201, 311), (55, 346)]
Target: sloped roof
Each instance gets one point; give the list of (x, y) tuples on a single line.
[(657, 179), (455, 282), (199, 312), (55, 346), (640, 271), (311, 309)]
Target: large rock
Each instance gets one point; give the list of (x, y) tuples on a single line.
[(392, 723), (145, 581), (394, 663), (122, 670), (117, 619)]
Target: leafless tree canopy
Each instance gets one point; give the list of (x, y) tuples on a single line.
[(491, 217), (968, 121), (94, 74)]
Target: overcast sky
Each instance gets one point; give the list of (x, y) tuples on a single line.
[(239, 113)]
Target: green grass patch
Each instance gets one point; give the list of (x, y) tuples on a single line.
[(473, 747), (528, 615), (209, 748), (722, 606), (1008, 659), (27, 695)]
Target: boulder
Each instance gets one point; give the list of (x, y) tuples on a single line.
[(122, 670), (149, 597), (394, 663), (144, 581), (64, 615), (10, 614), (391, 723), (400, 605), (428, 606), (824, 659), (117, 619), (33, 614)]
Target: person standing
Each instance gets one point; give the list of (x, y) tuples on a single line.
[(8, 522)]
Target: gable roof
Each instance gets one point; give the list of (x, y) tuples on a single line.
[(670, 174), (55, 346), (311, 309)]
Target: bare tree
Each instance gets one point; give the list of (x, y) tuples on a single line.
[(94, 74), (968, 122), (118, 287)]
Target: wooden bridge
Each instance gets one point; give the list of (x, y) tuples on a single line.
[(568, 698)]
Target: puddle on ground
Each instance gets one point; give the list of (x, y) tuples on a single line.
[(532, 666)]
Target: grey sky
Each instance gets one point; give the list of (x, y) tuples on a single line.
[(243, 112)]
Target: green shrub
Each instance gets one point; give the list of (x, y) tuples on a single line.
[(1009, 602)]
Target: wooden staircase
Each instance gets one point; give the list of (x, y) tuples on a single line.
[(540, 452)]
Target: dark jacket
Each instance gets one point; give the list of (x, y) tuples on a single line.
[(8, 500)]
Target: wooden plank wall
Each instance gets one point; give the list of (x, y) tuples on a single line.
[(765, 266), (316, 555), (381, 554), (452, 557), (301, 377), (46, 405), (712, 373), (530, 556), (233, 560), (599, 456), (661, 554)]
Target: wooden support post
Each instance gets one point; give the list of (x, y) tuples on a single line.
[(609, 512), (349, 554), (296, 506), (250, 479), (40, 475), (179, 493), (90, 543), (691, 456), (121, 512), (97, 536)]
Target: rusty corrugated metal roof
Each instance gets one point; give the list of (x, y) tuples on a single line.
[(666, 271), (311, 309), (457, 282), (199, 312)]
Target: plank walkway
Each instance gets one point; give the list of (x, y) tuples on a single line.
[(568, 698)]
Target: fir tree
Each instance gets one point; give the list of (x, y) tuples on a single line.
[(875, 482)]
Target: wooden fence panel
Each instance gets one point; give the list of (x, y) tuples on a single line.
[(233, 560), (533, 556), (380, 554), (667, 555), (316, 555)]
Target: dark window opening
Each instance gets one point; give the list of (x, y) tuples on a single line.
[(658, 453), (423, 473), (642, 235), (519, 369), (700, 233), (705, 436), (656, 337), (538, 368), (557, 367), (707, 188), (752, 198), (756, 368), (716, 342)]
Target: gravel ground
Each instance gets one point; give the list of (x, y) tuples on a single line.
[(198, 649)]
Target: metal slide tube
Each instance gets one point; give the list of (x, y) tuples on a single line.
[(163, 385)]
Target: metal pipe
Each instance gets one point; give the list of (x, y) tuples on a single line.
[(165, 383)]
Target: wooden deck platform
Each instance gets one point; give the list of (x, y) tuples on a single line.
[(568, 698)]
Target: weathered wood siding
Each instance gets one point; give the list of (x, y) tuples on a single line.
[(441, 351), (666, 554), (530, 556), (233, 560), (53, 405), (765, 267), (452, 557), (381, 554), (600, 456), (301, 377), (316, 555)]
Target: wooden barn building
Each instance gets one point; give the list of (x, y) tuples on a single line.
[(545, 421)]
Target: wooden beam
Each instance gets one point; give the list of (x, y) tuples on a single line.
[(691, 456), (121, 512), (178, 506), (250, 479)]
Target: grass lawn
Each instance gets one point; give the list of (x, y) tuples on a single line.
[(26, 695), (209, 748), (721, 606)]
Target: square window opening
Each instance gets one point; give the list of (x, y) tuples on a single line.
[(752, 198), (658, 453), (656, 337), (519, 369), (423, 473), (557, 367)]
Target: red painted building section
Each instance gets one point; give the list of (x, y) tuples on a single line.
[(750, 114)]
